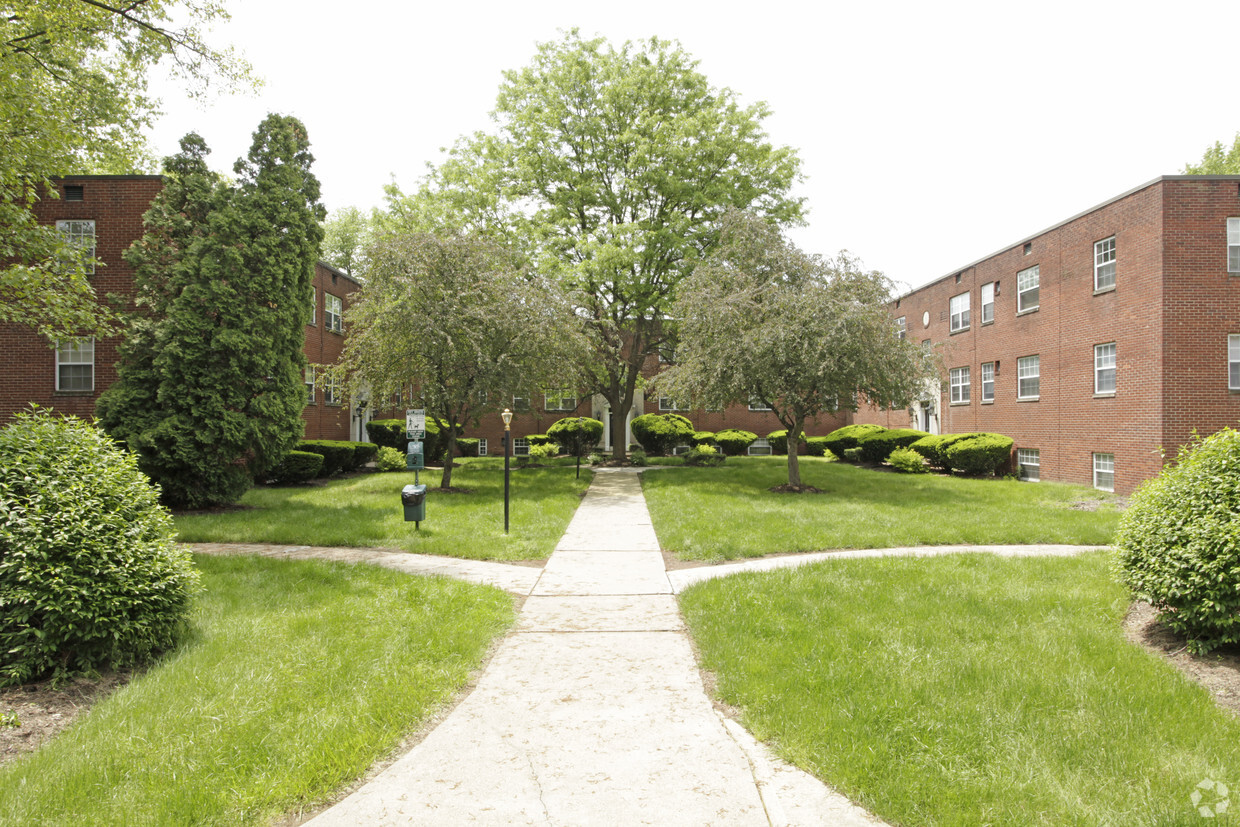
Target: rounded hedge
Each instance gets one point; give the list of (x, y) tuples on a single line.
[(934, 448), (704, 455), (878, 446), (816, 446), (298, 466), (979, 455), (907, 461), (389, 459), (660, 433), (90, 574), (578, 435), (734, 441), (467, 446), (841, 439), (337, 455), (1179, 542), (779, 441), (702, 438)]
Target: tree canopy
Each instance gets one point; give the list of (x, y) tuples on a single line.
[(1218, 160), (457, 320), (610, 168), (761, 321), (346, 234), (73, 99)]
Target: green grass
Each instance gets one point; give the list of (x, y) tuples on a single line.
[(965, 690), (297, 678), (366, 511), (727, 512)]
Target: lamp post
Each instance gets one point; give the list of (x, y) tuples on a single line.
[(507, 417)]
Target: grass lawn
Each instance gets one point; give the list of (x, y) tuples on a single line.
[(366, 511), (727, 512), (297, 678), (966, 690)]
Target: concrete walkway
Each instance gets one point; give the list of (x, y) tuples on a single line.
[(592, 711)]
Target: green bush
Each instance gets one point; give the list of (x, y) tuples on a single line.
[(298, 466), (816, 446), (733, 441), (466, 446), (877, 447), (933, 448), (336, 454), (702, 438), (90, 573), (638, 458), (852, 455), (979, 455), (841, 439), (779, 441), (545, 450), (704, 455), (539, 439), (364, 452), (389, 459), (387, 433), (578, 435), (908, 461), (658, 434), (1179, 542)]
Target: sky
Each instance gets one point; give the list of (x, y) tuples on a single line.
[(931, 134)]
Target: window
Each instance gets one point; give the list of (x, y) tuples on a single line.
[(758, 405), (1030, 462), (1104, 368), (333, 307), (666, 403), (560, 400), (901, 327), (1104, 264), (75, 365), (314, 306), (988, 302), (521, 447), (1233, 245), (960, 385), (482, 446), (1028, 377), (331, 391), (309, 384), (959, 306), (1104, 471), (80, 234), (1233, 362), (1027, 289), (520, 403), (988, 381), (760, 448)]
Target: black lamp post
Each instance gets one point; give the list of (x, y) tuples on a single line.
[(507, 417)]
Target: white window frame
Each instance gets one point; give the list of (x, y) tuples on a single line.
[(1104, 264), (521, 447), (1104, 472), (333, 311), (960, 382), (1029, 369), (332, 394), (1104, 369), (758, 405), (1233, 362), (1029, 461), (958, 307), (763, 446), (314, 306), (901, 327), (74, 354), (1233, 245), (482, 446), (1028, 281), (309, 380), (988, 302), (666, 403), (988, 382), (520, 403), (75, 234), (558, 400)]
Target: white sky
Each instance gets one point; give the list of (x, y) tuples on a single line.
[(931, 133)]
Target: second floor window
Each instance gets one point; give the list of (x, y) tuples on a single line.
[(960, 385), (1104, 264), (1028, 377), (959, 306), (1233, 245), (1104, 368), (988, 381), (1027, 289), (988, 302), (560, 400), (334, 311), (80, 234)]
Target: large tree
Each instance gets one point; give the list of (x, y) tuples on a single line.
[(346, 234), (760, 320), (1218, 160), (73, 98), (457, 320), (210, 383), (612, 167)]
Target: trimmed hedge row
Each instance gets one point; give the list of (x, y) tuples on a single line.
[(816, 446), (339, 455), (298, 466), (878, 446), (841, 439), (972, 454), (660, 433), (390, 433), (734, 441)]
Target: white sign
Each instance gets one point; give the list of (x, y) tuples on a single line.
[(415, 420)]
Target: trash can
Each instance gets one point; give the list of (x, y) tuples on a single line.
[(413, 498)]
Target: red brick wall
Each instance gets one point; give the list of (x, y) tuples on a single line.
[(323, 347)]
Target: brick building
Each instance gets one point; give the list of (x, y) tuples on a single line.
[(1093, 343), (104, 213)]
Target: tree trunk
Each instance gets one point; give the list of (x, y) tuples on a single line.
[(794, 441), (445, 481)]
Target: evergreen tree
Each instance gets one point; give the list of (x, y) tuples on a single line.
[(210, 388)]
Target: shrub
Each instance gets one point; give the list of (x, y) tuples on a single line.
[(467, 446), (704, 455), (979, 454), (1179, 542), (638, 458), (779, 441), (702, 438), (90, 573), (539, 439), (298, 466), (933, 448), (841, 439), (659, 433), (876, 447), (337, 455), (908, 461), (733, 441), (389, 459), (363, 452), (852, 455), (816, 446), (545, 450), (387, 433), (577, 435)]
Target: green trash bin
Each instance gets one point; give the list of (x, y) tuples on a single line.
[(413, 498)]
